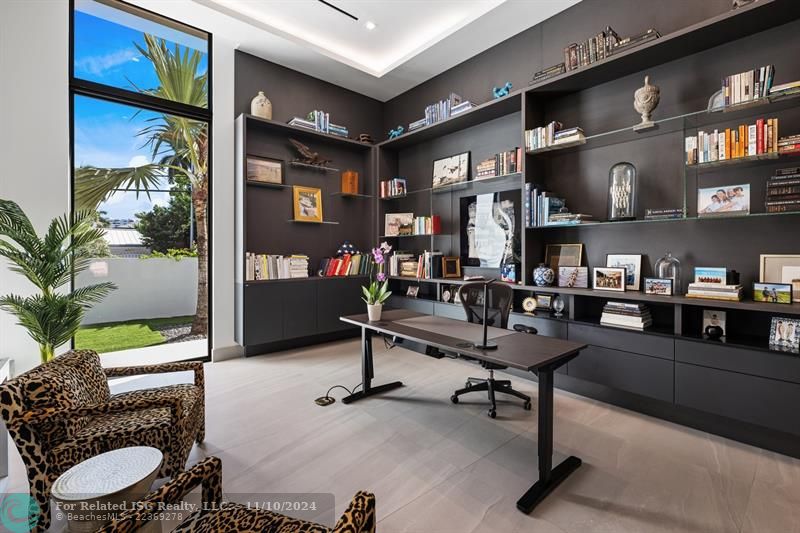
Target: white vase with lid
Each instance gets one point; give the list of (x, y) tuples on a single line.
[(261, 107)]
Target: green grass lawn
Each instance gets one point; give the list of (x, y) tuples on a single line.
[(115, 336)]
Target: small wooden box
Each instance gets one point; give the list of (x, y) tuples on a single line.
[(350, 182)]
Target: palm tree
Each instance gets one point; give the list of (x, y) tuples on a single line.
[(179, 146), (51, 317)]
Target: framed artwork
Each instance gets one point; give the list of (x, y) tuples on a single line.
[(307, 204), (781, 269), (412, 291), (714, 318), (609, 279), (265, 170), (784, 334), (712, 275), (451, 170), (558, 255), (658, 286), (489, 228), (727, 200), (396, 222), (573, 277), (773, 293), (544, 301), (451, 267), (632, 263)]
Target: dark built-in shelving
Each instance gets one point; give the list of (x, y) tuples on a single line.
[(258, 122)]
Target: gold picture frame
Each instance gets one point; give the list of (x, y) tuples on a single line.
[(451, 267), (781, 268), (307, 202), (563, 255)]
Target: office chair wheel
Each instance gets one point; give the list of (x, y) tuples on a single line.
[(527, 406), (492, 413), (454, 398)]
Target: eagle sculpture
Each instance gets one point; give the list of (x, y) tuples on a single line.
[(307, 156)]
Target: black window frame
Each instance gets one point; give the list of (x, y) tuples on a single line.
[(81, 87)]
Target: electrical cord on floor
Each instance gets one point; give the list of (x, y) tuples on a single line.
[(322, 401)]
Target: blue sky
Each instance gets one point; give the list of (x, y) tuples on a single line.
[(106, 132)]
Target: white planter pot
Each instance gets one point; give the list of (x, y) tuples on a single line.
[(374, 312)]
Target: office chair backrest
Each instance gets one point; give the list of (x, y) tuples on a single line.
[(499, 295)]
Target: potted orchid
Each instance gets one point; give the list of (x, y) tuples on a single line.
[(378, 290)]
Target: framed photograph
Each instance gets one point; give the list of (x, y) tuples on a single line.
[(712, 275), (451, 170), (785, 334), (451, 267), (658, 286), (781, 269), (727, 200), (573, 277), (632, 263), (544, 301), (265, 170), (714, 318), (449, 293), (395, 222), (609, 279), (773, 293), (307, 204), (412, 291), (567, 255)]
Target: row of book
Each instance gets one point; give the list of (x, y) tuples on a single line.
[(544, 209), (269, 266), (783, 191), (507, 162), (320, 121), (600, 46), (553, 134), (403, 264), (393, 187), (747, 86), (626, 315), (427, 225), (731, 143), (347, 265), (441, 110), (785, 89), (715, 291), (429, 265)]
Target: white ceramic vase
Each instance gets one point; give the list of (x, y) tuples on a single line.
[(374, 312), (260, 106)]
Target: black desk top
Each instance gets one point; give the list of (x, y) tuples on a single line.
[(516, 350)]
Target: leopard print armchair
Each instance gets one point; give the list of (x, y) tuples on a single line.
[(62, 413), (215, 516)]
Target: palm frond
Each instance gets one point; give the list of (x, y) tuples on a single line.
[(92, 294), (94, 185)]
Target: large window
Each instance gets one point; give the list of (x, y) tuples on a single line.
[(141, 117)]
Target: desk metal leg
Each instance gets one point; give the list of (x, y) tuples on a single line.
[(549, 477), (368, 372)]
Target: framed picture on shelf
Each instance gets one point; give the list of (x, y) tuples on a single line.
[(412, 291), (265, 170), (451, 170), (558, 255), (784, 334), (395, 222), (776, 268), (307, 204), (711, 275), (773, 293), (544, 301), (726, 200), (609, 279), (573, 277), (451, 267), (632, 263), (658, 286)]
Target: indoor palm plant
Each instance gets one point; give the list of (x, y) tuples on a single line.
[(377, 291), (51, 316)]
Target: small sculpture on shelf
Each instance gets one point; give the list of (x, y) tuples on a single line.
[(645, 100), (346, 248), (260, 106), (365, 138), (499, 92), (543, 276), (397, 132), (622, 192), (308, 156)]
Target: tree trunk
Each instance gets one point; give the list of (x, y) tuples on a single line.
[(200, 204)]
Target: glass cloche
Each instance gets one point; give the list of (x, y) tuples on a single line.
[(622, 192), (668, 267)]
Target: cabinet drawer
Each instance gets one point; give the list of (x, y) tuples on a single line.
[(627, 341), (335, 298), (760, 401), (639, 374), (754, 362), (263, 312), (449, 311), (548, 328), (412, 304), (300, 301)]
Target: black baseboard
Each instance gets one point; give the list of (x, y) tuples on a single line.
[(288, 344)]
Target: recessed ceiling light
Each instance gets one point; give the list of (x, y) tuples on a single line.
[(370, 25)]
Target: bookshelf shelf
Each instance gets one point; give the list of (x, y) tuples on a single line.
[(268, 185), (263, 123), (460, 186), (306, 279), (319, 168), (558, 146), (406, 236), (332, 222), (735, 161), (351, 195)]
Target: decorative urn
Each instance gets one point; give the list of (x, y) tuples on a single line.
[(645, 100), (543, 275), (260, 106)]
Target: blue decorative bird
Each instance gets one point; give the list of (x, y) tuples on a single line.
[(397, 132), (500, 92)]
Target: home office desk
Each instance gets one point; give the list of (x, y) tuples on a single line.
[(531, 353)]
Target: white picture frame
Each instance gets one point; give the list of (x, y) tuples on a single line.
[(632, 263)]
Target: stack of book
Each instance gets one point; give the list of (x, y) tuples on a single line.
[(466, 105), (320, 121), (568, 219), (398, 258), (626, 315), (549, 72), (731, 143), (442, 109), (664, 213), (747, 86), (543, 209), (427, 225), (593, 49), (622, 45), (507, 162), (417, 124), (429, 265), (783, 191), (347, 265), (715, 291), (789, 145), (393, 187), (785, 89), (268, 266), (553, 134)]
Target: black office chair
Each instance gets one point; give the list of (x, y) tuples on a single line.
[(498, 307)]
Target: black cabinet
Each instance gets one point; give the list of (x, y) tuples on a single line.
[(299, 320), (412, 304), (628, 341), (449, 311), (263, 312), (546, 327), (338, 297), (773, 365)]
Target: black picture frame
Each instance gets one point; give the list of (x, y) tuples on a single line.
[(761, 287)]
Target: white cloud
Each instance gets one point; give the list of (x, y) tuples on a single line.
[(138, 161), (99, 64)]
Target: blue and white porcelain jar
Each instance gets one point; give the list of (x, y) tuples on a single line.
[(543, 275)]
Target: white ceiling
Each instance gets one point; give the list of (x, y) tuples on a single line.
[(413, 40)]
